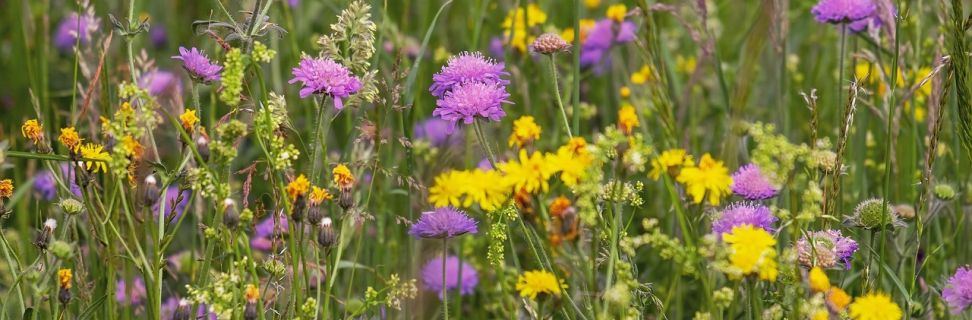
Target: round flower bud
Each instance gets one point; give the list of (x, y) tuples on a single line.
[(231, 218), (873, 213), (325, 235), (62, 250), (246, 216), (274, 267), (944, 192), (202, 145), (549, 43), (71, 206)]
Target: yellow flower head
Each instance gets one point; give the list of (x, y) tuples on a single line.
[(298, 187), (343, 177), (559, 206), (64, 278), (189, 120), (449, 189), (530, 173), (319, 195), (685, 65), (33, 130), (95, 157), (752, 251), (132, 147), (516, 23), (532, 283), (624, 92), (591, 4), (669, 162), (488, 188), (642, 75), (819, 282), (525, 131), (875, 306), (627, 119), (617, 12), (572, 161), (252, 293), (838, 299), (6, 188), (710, 178), (70, 139)]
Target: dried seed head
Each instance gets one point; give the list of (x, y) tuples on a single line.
[(300, 205), (202, 145), (550, 43), (231, 218), (325, 235)]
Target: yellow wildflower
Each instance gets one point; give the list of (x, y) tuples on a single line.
[(617, 12), (624, 92), (70, 139), (298, 187), (343, 177), (488, 188), (319, 195), (525, 131), (252, 294), (529, 173), (669, 162), (6, 188), (518, 21), (838, 299), (449, 189), (189, 120), (642, 76), (132, 147), (532, 283), (572, 161), (64, 278), (818, 280), (875, 306), (685, 65), (95, 157), (710, 178), (752, 251), (627, 119), (33, 130), (559, 206), (592, 3)]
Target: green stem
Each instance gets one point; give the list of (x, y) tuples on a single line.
[(445, 295), (560, 102)]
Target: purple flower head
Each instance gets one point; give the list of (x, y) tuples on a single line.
[(467, 67), (750, 183), (265, 232), (468, 101), (843, 11), (604, 35), (46, 186), (436, 131), (432, 276), (71, 27), (740, 213), (161, 82), (496, 49), (159, 36), (130, 295), (171, 196), (958, 292), (445, 222), (324, 76), (197, 64), (293, 3), (485, 165), (172, 304), (826, 249)]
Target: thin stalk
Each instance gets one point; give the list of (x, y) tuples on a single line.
[(445, 295), (560, 102)]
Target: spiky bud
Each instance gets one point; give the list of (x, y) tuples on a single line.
[(550, 43)]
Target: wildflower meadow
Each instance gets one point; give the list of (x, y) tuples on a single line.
[(486, 159)]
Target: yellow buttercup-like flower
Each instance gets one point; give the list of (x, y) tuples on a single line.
[(95, 157), (752, 251), (488, 188), (298, 187), (32, 130), (6, 188), (70, 139), (627, 119), (525, 131), (189, 120), (319, 195), (819, 282), (624, 92), (251, 293), (669, 162), (875, 306), (343, 177), (537, 282), (530, 173), (572, 161), (449, 189), (64, 278), (642, 76), (710, 178), (592, 3), (617, 12)]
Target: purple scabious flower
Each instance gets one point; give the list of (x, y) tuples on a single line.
[(324, 76), (958, 293), (432, 276), (73, 26), (172, 305), (46, 186), (604, 35), (265, 232), (826, 249), (159, 36), (750, 183), (739, 213), (445, 222), (130, 295), (468, 101), (172, 195), (465, 68), (843, 11), (197, 64), (160, 82), (436, 132)]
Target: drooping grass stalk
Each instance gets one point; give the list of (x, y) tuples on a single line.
[(556, 85)]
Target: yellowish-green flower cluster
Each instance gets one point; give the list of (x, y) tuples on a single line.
[(232, 77), (262, 53)]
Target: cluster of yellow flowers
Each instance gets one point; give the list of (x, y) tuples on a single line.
[(517, 23), (708, 179), (642, 76), (752, 250), (871, 74), (872, 306), (529, 173)]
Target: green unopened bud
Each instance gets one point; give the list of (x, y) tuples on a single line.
[(246, 216), (944, 192), (71, 206), (309, 306), (874, 213), (62, 250), (274, 267), (211, 233)]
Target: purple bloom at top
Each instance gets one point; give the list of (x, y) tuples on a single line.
[(71, 28), (159, 36), (467, 67), (750, 183), (605, 34), (293, 3), (130, 295), (738, 214), (445, 222), (171, 196), (324, 76), (826, 249), (432, 276), (958, 292), (161, 82), (197, 64), (265, 232), (843, 11), (436, 131), (468, 101)]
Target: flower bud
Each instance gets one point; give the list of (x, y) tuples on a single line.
[(44, 237), (62, 250), (183, 312), (246, 216), (202, 145), (944, 192), (151, 193), (231, 218), (905, 211), (300, 205), (71, 206), (549, 43), (325, 235), (346, 200)]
